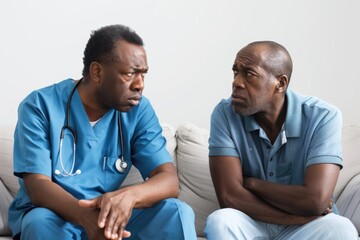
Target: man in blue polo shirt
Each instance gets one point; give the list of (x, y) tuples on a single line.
[(75, 142), (274, 155)]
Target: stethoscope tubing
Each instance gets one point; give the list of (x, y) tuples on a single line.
[(121, 164)]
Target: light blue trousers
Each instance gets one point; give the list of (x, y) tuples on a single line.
[(169, 219), (228, 223)]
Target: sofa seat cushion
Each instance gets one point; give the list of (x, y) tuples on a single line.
[(196, 186)]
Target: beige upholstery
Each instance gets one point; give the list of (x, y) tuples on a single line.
[(188, 146)]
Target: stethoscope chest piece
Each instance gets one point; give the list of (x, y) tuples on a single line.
[(120, 165)]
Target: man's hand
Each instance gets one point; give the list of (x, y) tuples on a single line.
[(89, 222), (329, 208), (115, 211)]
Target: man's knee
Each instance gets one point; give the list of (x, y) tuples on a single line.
[(174, 206), (218, 220), (36, 221), (40, 223), (342, 227)]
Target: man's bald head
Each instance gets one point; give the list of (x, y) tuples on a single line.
[(275, 57)]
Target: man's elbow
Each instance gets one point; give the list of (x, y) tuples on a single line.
[(318, 206), (228, 201)]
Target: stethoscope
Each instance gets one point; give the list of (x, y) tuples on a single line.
[(120, 164)]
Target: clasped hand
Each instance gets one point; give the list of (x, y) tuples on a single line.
[(115, 211)]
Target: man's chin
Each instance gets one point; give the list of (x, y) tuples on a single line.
[(124, 108), (241, 111)]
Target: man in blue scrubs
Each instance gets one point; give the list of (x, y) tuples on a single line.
[(72, 191), (275, 155)]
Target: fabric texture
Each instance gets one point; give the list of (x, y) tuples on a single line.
[(196, 186), (232, 224), (350, 143), (349, 204), (5, 200), (167, 219), (6, 159)]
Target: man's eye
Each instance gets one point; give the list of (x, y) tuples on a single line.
[(235, 73), (248, 74), (130, 74)]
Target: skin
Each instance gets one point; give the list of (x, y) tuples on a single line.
[(117, 85), (258, 91)]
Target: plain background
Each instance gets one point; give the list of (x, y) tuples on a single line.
[(191, 46)]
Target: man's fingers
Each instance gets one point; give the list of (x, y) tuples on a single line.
[(104, 212), (123, 234)]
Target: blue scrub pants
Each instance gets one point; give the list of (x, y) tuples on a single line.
[(168, 219), (228, 223)]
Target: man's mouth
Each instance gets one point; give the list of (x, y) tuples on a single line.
[(134, 100)]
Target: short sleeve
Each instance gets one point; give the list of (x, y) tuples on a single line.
[(31, 143), (148, 145), (221, 142), (325, 146)]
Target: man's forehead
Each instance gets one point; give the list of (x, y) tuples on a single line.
[(251, 55)]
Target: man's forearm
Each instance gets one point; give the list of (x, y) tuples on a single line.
[(258, 209), (292, 199), (45, 193)]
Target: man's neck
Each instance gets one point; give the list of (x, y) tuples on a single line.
[(272, 123), (92, 108)]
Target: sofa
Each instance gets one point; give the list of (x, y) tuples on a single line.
[(188, 145)]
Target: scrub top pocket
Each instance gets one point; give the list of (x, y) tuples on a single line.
[(113, 178)]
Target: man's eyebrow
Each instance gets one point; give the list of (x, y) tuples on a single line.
[(234, 67), (140, 69)]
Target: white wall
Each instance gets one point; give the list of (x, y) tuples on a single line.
[(191, 45)]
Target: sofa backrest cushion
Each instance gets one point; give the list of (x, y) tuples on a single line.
[(348, 202), (196, 186), (6, 158), (8, 183), (5, 200), (351, 157)]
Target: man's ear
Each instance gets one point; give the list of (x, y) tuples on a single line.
[(95, 71), (283, 82)]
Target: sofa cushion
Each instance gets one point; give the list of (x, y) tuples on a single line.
[(6, 160), (349, 202), (351, 158), (196, 186), (5, 200)]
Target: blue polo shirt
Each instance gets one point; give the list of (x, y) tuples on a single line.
[(310, 135)]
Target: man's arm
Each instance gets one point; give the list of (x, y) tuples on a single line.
[(227, 176), (310, 199), (115, 207), (45, 193)]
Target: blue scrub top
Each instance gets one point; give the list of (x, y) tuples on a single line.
[(41, 116), (310, 135)]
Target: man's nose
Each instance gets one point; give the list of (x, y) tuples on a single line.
[(138, 82), (238, 82)]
